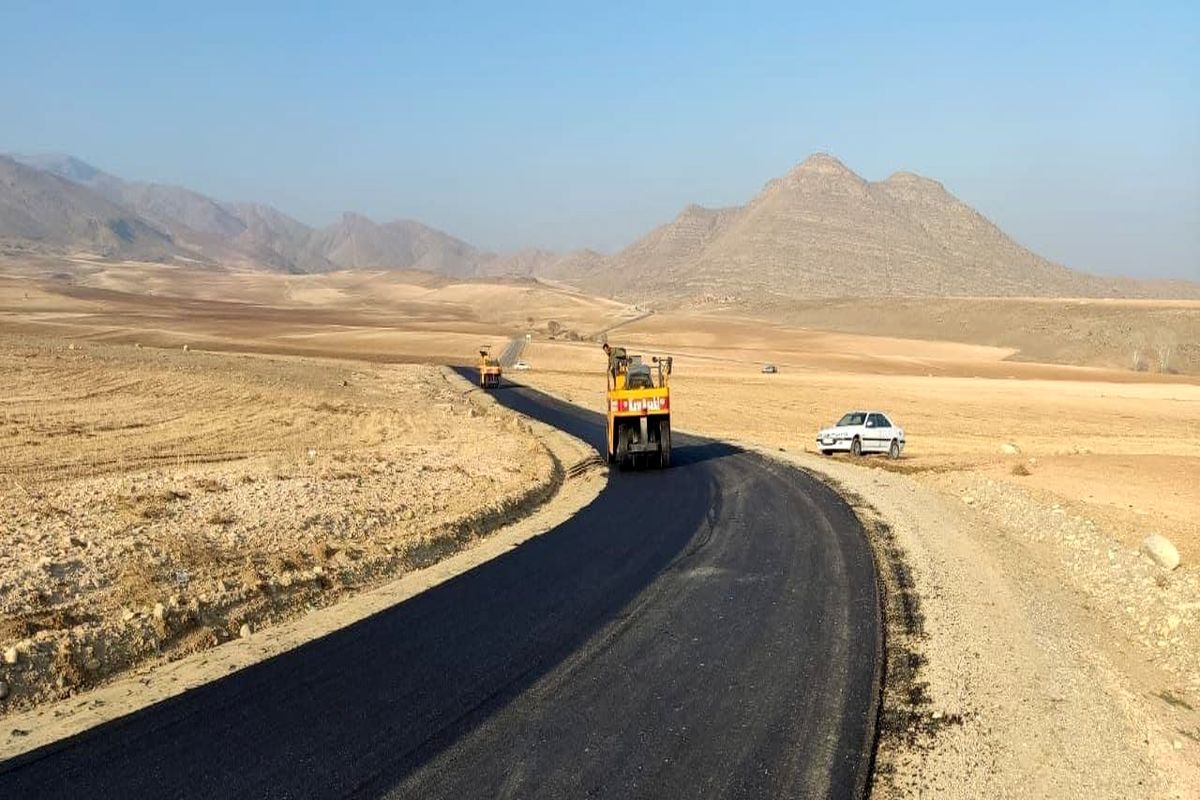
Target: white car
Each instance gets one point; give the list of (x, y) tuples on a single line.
[(521, 365), (861, 432)]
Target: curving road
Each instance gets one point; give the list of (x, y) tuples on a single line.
[(707, 631)]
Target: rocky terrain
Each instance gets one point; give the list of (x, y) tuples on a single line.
[(155, 503), (822, 231), (1030, 652), (40, 208), (818, 231)]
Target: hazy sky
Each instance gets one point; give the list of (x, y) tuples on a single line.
[(1075, 128)]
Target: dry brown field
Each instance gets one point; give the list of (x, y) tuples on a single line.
[(305, 444), (1120, 445)]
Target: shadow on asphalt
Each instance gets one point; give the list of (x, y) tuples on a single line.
[(383, 696)]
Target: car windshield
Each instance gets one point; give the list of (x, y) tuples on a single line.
[(853, 418)]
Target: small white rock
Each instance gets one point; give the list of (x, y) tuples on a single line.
[(127, 615), (1161, 551), (244, 632), (1008, 448), (10, 655), (160, 611)]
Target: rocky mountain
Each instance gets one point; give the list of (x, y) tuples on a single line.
[(355, 241), (255, 235), (818, 231), (43, 208), (242, 235), (275, 240), (822, 230)]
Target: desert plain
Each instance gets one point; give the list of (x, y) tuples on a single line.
[(187, 455)]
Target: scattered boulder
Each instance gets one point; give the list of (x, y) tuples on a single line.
[(160, 611), (244, 632), (1161, 551), (1009, 449), (186, 348), (10, 655)]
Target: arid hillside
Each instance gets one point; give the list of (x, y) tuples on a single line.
[(823, 231), (1154, 336), (156, 502), (375, 315), (819, 231), (39, 209)]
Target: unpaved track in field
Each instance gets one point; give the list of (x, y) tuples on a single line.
[(710, 630)]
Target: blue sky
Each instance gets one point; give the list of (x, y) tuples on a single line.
[(1076, 128)]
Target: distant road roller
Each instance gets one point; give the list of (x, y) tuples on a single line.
[(639, 409), (489, 369)]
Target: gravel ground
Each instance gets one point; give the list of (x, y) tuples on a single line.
[(1029, 655), (155, 503)]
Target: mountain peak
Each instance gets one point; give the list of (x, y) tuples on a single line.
[(912, 179), (354, 218), (61, 164), (822, 164)]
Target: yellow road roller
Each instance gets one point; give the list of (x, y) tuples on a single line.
[(639, 409)]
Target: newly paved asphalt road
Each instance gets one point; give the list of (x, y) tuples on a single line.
[(706, 631)]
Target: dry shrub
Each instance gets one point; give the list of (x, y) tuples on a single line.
[(1020, 470), (210, 485), (221, 517), (250, 578), (196, 551), (155, 505), (280, 563), (138, 583)]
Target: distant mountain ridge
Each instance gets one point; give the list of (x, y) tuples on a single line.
[(255, 235), (42, 207), (820, 230)]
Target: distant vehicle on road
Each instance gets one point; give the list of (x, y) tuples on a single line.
[(861, 432), (521, 365), (769, 369), (489, 369)]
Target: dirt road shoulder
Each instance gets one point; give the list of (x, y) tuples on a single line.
[(1002, 682)]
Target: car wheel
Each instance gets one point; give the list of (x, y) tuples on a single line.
[(856, 447), (894, 450)]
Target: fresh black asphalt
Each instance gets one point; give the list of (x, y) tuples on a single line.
[(711, 630)]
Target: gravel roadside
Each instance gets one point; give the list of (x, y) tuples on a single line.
[(1004, 678)]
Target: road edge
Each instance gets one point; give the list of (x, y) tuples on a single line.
[(577, 480)]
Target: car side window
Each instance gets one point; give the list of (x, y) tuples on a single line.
[(882, 422), (876, 421)]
